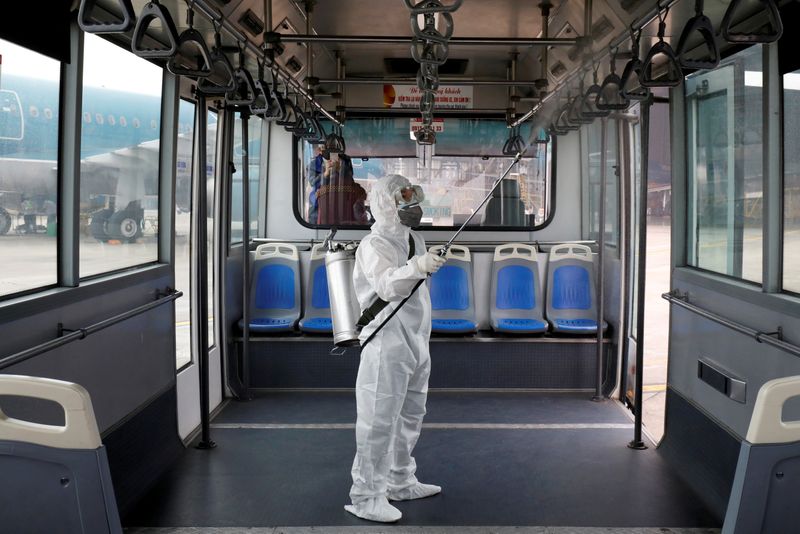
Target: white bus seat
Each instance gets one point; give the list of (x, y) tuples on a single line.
[(516, 305), (317, 314), (452, 294), (764, 493), (571, 294), (55, 478), (274, 289)]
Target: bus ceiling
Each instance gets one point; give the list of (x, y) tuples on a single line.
[(531, 55)]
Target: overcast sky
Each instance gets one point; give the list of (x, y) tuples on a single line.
[(105, 65)]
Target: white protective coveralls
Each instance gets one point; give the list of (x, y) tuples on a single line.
[(392, 383)]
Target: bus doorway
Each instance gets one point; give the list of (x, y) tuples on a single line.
[(655, 335)]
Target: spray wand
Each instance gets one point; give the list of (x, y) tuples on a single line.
[(446, 246)]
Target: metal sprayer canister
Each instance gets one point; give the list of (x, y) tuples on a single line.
[(345, 311)]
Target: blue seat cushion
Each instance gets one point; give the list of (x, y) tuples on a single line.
[(268, 324), (572, 289), (275, 286), (515, 288), (578, 326), (319, 291), (317, 324), (521, 326), (453, 326), (450, 288)]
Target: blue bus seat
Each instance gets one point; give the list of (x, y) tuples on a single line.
[(274, 289), (516, 305), (452, 294), (317, 314), (571, 295), (55, 478)]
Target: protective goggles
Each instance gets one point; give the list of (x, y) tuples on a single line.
[(409, 196)]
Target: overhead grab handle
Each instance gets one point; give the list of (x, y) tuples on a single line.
[(576, 110), (119, 25), (674, 74), (563, 122), (610, 96), (289, 117), (630, 83), (702, 24), (425, 7), (514, 144), (260, 106), (221, 80), (589, 101), (151, 12), (277, 103), (775, 23), (193, 58)]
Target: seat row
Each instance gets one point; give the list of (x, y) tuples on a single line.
[(518, 302)]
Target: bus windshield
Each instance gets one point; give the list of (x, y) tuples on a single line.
[(456, 174)]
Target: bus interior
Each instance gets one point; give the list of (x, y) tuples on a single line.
[(612, 184)]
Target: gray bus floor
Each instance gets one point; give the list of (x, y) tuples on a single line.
[(503, 459)]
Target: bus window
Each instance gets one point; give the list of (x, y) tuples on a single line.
[(456, 175), (791, 181), (29, 181), (725, 168), (254, 132), (119, 166), (183, 235)]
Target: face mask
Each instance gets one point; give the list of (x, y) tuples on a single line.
[(410, 216)]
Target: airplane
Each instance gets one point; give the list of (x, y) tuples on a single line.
[(119, 156)]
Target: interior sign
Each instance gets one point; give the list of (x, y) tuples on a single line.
[(447, 97)]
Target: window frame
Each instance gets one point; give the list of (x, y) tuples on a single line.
[(551, 187)]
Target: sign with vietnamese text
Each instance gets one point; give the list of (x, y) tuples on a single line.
[(408, 96)]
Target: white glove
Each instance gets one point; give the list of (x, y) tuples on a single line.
[(430, 263)]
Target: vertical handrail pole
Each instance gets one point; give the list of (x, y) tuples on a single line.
[(601, 239), (641, 265), (200, 226), (245, 251)]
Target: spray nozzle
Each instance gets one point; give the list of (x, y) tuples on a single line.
[(328, 243)]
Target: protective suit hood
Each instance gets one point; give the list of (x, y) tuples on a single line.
[(383, 205)]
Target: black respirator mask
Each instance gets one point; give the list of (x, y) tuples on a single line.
[(410, 216), (408, 201)]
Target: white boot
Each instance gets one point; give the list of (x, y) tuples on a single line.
[(375, 509), (417, 491)]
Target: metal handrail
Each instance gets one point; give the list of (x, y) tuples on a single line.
[(81, 333), (761, 337)]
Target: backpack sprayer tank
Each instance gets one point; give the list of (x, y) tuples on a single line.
[(345, 311)]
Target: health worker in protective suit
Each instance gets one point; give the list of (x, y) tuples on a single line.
[(392, 383)]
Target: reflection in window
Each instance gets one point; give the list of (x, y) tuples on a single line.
[(28, 183), (335, 191), (254, 157), (724, 167), (791, 181), (119, 168), (183, 237), (211, 154)]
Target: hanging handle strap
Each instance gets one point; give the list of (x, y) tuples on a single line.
[(151, 12), (674, 73), (702, 24), (771, 36), (191, 39), (120, 25)]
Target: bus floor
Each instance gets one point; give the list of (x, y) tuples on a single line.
[(524, 462)]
